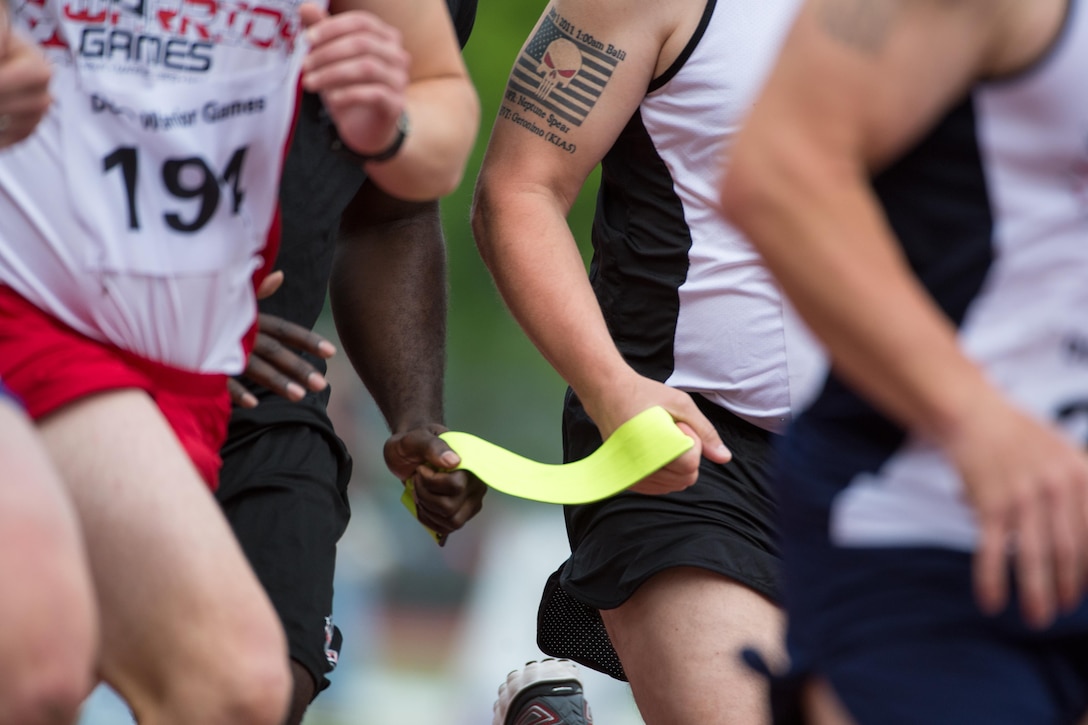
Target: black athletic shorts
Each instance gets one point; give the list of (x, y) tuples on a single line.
[(284, 490), (723, 523)]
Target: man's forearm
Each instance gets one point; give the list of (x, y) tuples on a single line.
[(388, 297), (441, 102), (832, 251), (443, 118), (534, 260)]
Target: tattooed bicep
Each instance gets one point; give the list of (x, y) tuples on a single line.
[(557, 80), (861, 24)]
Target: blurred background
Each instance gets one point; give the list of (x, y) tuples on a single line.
[(430, 633)]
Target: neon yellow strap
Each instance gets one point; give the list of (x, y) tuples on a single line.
[(408, 498), (642, 445)]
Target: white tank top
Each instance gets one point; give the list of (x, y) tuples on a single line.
[(686, 297), (137, 211), (1013, 276)]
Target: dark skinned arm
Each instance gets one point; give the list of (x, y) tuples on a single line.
[(388, 297)]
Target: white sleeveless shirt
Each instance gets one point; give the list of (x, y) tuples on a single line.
[(1021, 250), (686, 297), (138, 210)]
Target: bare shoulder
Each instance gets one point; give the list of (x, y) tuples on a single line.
[(656, 21), (683, 19), (1027, 31), (1010, 33), (888, 68)]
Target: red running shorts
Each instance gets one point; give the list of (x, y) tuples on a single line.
[(48, 365)]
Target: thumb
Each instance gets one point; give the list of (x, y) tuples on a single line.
[(270, 284)]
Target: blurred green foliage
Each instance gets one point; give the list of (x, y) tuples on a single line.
[(498, 386)]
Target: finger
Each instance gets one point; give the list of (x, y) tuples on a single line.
[(676, 476), (1035, 572), (653, 486), (26, 74), (446, 514), (684, 471), (433, 520), (295, 336), (423, 515), (20, 128), (265, 375), (1068, 547), (323, 29), (990, 566), (702, 430), (268, 350), (439, 484), (461, 516), (357, 60), (240, 395), (383, 50), (292, 366), (270, 284), (359, 84)]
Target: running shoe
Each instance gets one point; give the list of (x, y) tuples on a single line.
[(547, 692)]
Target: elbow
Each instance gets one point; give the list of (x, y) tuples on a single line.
[(750, 186), (479, 215), (449, 179), (441, 185), (491, 202), (469, 117), (420, 182), (771, 180)]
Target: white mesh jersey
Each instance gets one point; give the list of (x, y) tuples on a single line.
[(686, 297), (992, 211), (137, 211)]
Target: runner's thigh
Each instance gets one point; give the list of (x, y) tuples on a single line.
[(177, 597)]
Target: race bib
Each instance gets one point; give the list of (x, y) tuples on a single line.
[(174, 144)]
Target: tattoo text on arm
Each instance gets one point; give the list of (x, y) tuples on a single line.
[(860, 24), (557, 79)]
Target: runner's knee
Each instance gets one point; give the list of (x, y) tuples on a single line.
[(49, 689), (253, 676), (259, 692), (48, 652), (221, 675)]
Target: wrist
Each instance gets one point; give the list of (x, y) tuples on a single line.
[(401, 130)]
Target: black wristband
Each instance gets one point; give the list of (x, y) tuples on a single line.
[(337, 144)]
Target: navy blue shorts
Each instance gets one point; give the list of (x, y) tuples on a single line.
[(897, 634)]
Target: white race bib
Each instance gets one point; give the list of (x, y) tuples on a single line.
[(174, 165)]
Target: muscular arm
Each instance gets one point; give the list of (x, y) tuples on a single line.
[(798, 185), (537, 161), (439, 98), (857, 82), (388, 296)]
